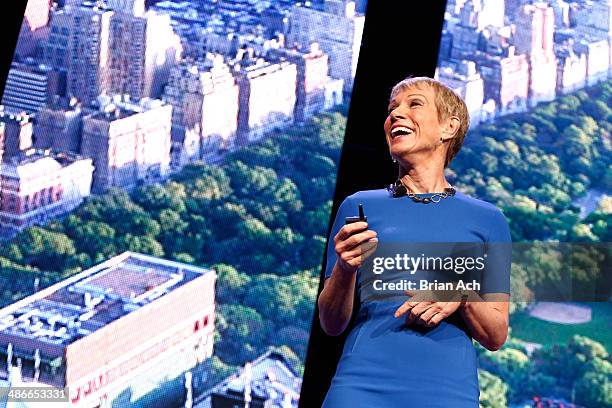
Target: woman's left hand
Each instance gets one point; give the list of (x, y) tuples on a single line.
[(428, 308)]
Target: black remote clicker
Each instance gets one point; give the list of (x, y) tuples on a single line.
[(361, 217)]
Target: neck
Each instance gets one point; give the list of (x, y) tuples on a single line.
[(423, 179)]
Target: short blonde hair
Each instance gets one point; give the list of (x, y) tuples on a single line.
[(448, 104)]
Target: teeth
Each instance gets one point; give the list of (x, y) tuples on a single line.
[(402, 129)]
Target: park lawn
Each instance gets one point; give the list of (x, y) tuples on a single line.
[(527, 328)]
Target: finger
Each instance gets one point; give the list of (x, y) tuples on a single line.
[(368, 248), (426, 316), (361, 237), (436, 319), (349, 229), (416, 314), (419, 309), (352, 258), (356, 239), (405, 307), (416, 296)]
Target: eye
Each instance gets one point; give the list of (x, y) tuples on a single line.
[(416, 103)]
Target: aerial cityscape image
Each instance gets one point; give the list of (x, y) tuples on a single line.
[(167, 175), (167, 171), (536, 76)]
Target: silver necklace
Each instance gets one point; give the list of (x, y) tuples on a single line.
[(399, 189)]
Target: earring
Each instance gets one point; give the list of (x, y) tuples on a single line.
[(441, 140)]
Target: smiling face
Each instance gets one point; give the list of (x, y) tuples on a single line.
[(412, 126)]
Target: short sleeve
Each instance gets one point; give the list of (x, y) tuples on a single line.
[(345, 210), (496, 276)]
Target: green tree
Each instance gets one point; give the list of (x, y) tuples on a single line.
[(492, 390)]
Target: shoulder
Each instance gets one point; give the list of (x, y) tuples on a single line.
[(489, 216), (380, 194), (366, 197), (369, 198), (482, 207)]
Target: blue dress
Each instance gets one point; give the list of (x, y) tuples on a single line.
[(386, 363)]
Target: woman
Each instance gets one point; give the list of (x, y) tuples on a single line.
[(416, 352)]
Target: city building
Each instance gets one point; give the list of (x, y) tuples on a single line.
[(36, 14), (313, 80), (337, 28), (268, 381), (129, 141), (506, 80), (29, 87), (78, 48), (598, 58), (562, 13), (142, 49), (594, 20), (17, 132), (464, 36), (465, 80), (535, 27), (571, 69), (33, 27), (267, 96), (544, 47), (59, 126), (113, 47), (204, 97), (491, 14), (116, 334), (38, 185)]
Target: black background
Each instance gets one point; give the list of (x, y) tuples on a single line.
[(401, 38), (10, 21)]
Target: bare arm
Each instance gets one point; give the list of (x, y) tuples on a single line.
[(336, 299), (486, 316), (488, 319)]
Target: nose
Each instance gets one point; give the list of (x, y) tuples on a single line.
[(395, 115)]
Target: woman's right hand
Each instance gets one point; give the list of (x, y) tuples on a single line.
[(354, 243)]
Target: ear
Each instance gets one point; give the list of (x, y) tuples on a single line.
[(451, 127)]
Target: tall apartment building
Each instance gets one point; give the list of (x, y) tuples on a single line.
[(571, 69), (35, 20), (267, 97), (338, 30), (78, 47), (59, 126), (466, 81), (142, 49), (204, 97), (113, 48), (598, 54), (534, 37), (594, 20), (506, 80), (312, 78), (128, 141), (28, 87)]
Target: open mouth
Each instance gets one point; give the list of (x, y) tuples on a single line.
[(400, 131)]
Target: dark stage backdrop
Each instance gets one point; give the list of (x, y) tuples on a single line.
[(12, 16), (400, 38)]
